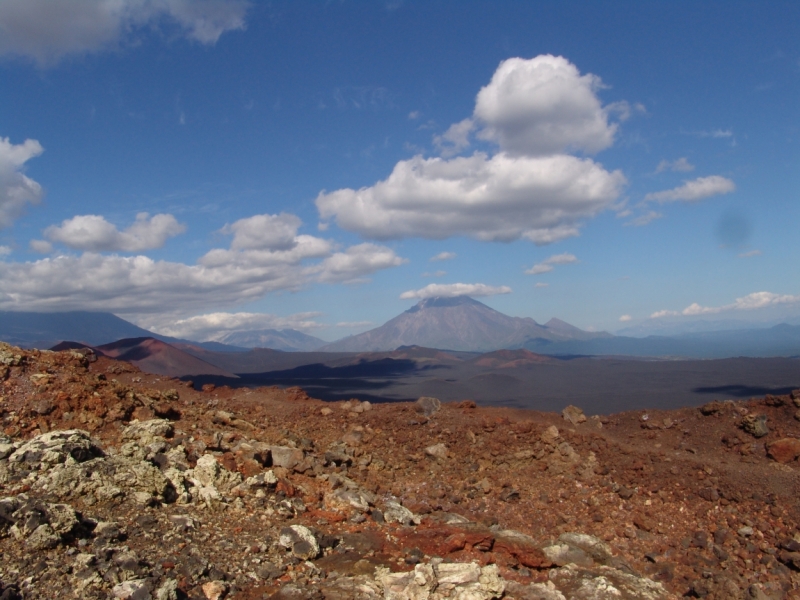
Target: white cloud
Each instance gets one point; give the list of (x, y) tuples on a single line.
[(455, 139), (664, 313), (754, 301), (535, 110), (541, 284), (644, 219), (134, 285), (270, 232), (16, 189), (539, 269), (435, 274), (214, 326), (543, 106), (681, 165), (47, 30), (692, 191), (94, 234), (625, 318), (450, 290), (547, 265), (443, 256), (501, 198), (5, 251), (41, 246), (750, 253), (356, 262), (413, 115)]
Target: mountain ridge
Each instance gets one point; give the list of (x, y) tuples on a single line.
[(457, 323)]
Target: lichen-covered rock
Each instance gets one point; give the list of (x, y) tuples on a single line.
[(443, 581), (47, 450), (605, 583), (755, 425), (210, 480), (147, 432)]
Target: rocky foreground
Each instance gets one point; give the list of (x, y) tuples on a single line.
[(119, 484)]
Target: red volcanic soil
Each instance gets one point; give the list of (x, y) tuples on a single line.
[(159, 358), (699, 502)]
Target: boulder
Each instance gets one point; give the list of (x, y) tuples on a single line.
[(428, 405), (755, 425), (573, 414), (784, 450)]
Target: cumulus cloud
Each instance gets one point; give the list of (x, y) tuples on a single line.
[(270, 232), (543, 106), (16, 189), (443, 256), (214, 326), (694, 190), (536, 111), (548, 264), (498, 198), (625, 318), (681, 165), (223, 276), (41, 246), (455, 139), (753, 301), (356, 262), (451, 290), (47, 30), (94, 234), (660, 314)]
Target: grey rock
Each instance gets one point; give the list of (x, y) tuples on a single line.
[(428, 405), (133, 589), (394, 512), (605, 583), (300, 540), (592, 546), (438, 451), (283, 456)]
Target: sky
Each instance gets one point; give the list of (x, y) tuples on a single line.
[(201, 167)]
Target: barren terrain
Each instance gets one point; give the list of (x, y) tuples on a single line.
[(117, 483)]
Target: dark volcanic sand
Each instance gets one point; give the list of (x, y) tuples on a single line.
[(598, 385)]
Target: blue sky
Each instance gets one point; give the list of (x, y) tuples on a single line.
[(202, 167)]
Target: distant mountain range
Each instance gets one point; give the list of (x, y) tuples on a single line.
[(453, 324), (44, 330), (459, 323), (288, 340)]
